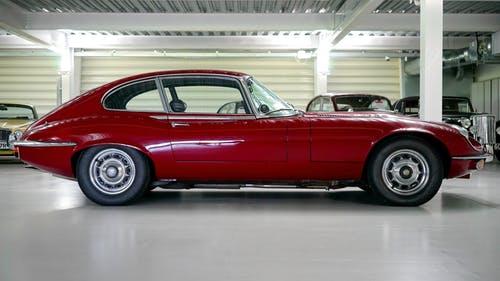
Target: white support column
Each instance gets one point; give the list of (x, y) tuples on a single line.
[(322, 63), (402, 89), (320, 79), (431, 62), (75, 77)]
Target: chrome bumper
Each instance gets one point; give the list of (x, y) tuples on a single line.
[(42, 144), (476, 157)]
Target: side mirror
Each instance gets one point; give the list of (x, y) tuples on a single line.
[(264, 108), (178, 106)]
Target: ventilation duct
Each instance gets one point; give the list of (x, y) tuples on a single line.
[(476, 52)]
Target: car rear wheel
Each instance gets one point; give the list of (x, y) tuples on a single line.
[(113, 175), (406, 172)]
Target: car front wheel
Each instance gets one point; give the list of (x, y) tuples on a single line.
[(405, 172), (113, 175)]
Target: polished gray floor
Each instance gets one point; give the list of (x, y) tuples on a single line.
[(49, 231)]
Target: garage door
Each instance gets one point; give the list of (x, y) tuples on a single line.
[(291, 79), (365, 75), (29, 80)]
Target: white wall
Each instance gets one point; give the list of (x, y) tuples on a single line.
[(486, 90), (290, 78), (29, 80), (451, 85), (365, 75), (487, 72), (33, 79)]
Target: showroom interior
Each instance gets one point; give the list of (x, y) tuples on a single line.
[(53, 51)]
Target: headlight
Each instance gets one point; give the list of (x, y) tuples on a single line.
[(466, 123), (462, 130), (498, 131), (15, 136), (18, 134)]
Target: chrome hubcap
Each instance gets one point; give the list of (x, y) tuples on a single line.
[(112, 171), (405, 172)]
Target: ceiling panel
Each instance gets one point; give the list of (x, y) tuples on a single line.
[(186, 6), (453, 7)]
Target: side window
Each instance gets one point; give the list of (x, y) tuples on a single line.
[(315, 105), (199, 94), (327, 105), (139, 96), (232, 108)]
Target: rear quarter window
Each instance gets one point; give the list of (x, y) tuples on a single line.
[(137, 96)]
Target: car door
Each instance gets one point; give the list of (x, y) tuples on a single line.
[(209, 144)]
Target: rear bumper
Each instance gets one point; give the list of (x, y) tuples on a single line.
[(51, 157)]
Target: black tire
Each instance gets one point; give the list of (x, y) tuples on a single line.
[(497, 154), (136, 185), (391, 195), (365, 188)]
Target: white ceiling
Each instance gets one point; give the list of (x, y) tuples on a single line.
[(243, 24)]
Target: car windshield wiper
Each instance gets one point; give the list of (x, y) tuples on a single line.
[(278, 110)]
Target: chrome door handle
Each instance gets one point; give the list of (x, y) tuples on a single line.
[(179, 124)]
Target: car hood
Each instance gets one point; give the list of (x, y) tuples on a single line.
[(457, 115), (397, 119), (356, 114), (15, 124)]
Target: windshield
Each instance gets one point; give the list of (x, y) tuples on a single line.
[(359, 103), (266, 101), (11, 111), (456, 105), (450, 105)]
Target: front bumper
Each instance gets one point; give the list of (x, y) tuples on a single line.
[(463, 165), (490, 151), (8, 152)]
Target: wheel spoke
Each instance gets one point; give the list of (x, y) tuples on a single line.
[(112, 171), (405, 172)]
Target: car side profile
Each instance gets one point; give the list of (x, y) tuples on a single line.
[(185, 128)]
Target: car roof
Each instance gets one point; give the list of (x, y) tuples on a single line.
[(417, 97), (16, 104), (348, 94), (188, 71)]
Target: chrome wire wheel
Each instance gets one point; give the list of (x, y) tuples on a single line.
[(405, 172), (112, 171)]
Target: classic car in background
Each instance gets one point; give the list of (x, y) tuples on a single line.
[(348, 102), (186, 128), (497, 145), (458, 111), (14, 119)]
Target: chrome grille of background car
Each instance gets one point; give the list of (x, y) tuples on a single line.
[(483, 128), (4, 139)]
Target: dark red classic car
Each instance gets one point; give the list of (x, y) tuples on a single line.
[(186, 128)]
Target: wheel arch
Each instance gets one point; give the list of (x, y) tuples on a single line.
[(422, 136), (80, 150)]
